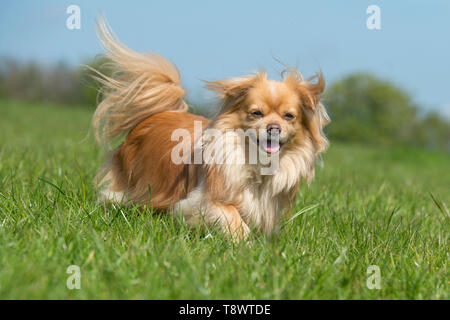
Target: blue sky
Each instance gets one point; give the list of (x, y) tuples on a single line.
[(217, 39)]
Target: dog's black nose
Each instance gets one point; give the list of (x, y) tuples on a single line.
[(273, 128)]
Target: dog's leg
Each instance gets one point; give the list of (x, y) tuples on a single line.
[(196, 210), (229, 219), (107, 195)]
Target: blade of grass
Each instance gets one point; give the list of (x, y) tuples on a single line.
[(299, 213)]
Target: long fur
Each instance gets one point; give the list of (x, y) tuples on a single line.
[(141, 85), (144, 101)]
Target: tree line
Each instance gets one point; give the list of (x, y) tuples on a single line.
[(363, 107)]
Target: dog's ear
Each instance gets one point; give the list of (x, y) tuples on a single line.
[(309, 92), (315, 90), (315, 115), (234, 88)]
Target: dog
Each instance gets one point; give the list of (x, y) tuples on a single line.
[(142, 103)]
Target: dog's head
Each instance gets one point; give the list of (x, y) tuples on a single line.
[(284, 113)]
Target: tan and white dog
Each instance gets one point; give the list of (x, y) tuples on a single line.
[(143, 100)]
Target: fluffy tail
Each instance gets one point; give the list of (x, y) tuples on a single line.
[(140, 86)]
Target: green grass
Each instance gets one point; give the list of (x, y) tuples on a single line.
[(374, 207)]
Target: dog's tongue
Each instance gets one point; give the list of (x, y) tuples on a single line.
[(272, 146)]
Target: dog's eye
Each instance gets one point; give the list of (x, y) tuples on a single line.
[(289, 116), (257, 113)]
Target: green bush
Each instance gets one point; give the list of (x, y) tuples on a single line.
[(367, 109)]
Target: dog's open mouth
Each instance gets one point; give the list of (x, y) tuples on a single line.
[(270, 146)]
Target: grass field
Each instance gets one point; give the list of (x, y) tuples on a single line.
[(373, 207)]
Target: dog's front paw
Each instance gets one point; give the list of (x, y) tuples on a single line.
[(239, 233)]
